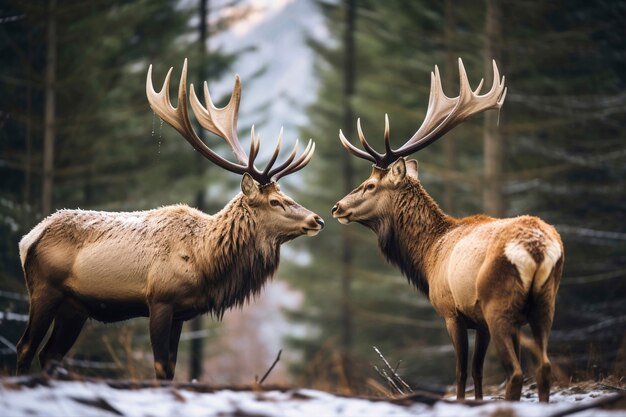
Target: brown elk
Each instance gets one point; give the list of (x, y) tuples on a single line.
[(491, 275), (171, 263)]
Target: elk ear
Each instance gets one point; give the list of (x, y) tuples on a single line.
[(411, 168), (397, 172), (248, 186)]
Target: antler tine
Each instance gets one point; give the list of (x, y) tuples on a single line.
[(442, 115), (459, 109), (503, 96), (480, 86), (257, 145), (303, 156), (272, 160), (289, 166), (496, 78), (363, 141), (162, 100), (353, 149), (302, 164), (286, 163), (253, 151), (464, 85), (178, 117), (221, 121), (439, 106), (299, 163), (386, 134)]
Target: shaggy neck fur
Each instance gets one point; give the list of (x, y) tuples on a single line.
[(409, 231), (240, 257)]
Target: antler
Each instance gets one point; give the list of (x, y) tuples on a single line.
[(443, 114), (223, 123)]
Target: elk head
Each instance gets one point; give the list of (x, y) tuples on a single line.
[(278, 212), (372, 200)]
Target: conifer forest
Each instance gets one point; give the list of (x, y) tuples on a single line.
[(77, 132)]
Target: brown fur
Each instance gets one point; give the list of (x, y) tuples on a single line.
[(492, 275), (170, 264)]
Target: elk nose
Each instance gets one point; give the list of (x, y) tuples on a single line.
[(334, 209), (319, 221)]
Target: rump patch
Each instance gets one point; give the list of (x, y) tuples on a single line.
[(519, 256)]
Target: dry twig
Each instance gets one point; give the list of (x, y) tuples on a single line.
[(270, 369), (386, 377), (394, 373), (613, 387)]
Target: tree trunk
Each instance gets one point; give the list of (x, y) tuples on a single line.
[(493, 202), (26, 199), (49, 115), (349, 81), (449, 148), (195, 354)]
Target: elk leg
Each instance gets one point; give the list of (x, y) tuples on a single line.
[(67, 327), (540, 321), (480, 350), (458, 334), (544, 371), (160, 328), (506, 339), (177, 326), (41, 313)]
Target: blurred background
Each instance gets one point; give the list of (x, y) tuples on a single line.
[(76, 131)]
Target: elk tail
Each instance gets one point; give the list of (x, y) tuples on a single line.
[(552, 253)]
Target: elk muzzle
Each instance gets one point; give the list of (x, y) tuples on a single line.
[(315, 225), (339, 212)]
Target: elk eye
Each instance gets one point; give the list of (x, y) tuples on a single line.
[(274, 203), (370, 187)]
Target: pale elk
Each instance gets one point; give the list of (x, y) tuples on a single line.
[(171, 263), (491, 275)]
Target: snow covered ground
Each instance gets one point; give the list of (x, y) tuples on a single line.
[(75, 398)]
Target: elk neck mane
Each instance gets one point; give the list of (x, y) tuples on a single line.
[(410, 230), (241, 257)]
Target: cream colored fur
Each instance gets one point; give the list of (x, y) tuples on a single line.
[(518, 255), (31, 237)]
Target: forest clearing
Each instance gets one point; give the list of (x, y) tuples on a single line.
[(188, 187)]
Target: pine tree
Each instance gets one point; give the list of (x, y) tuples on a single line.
[(561, 123), (111, 152)]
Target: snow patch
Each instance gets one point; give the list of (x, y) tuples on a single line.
[(74, 398)]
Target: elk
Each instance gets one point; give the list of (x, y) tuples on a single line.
[(491, 275), (169, 264)]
